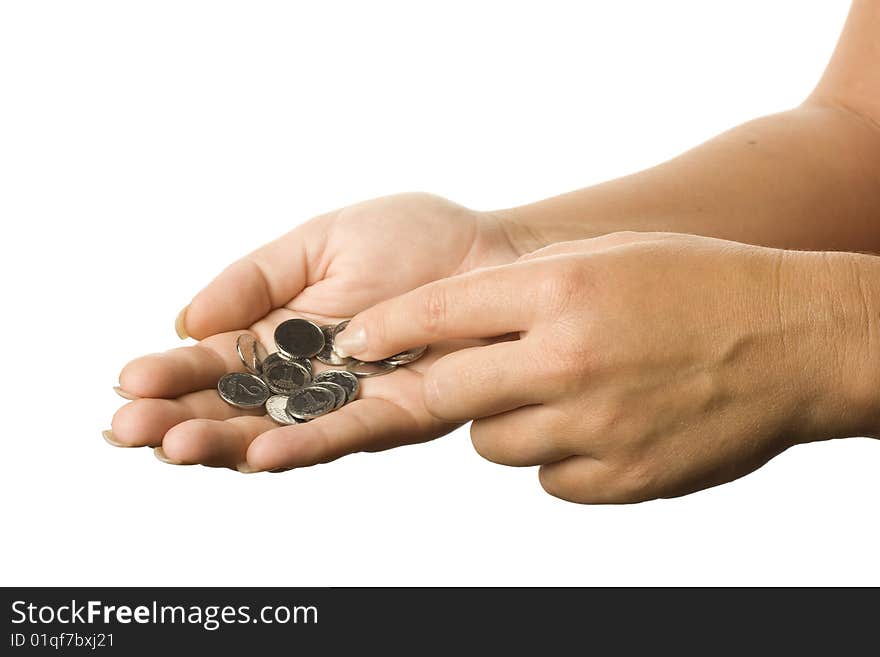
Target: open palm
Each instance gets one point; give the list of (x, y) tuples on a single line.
[(327, 269)]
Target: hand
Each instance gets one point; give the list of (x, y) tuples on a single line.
[(647, 365), (326, 269)]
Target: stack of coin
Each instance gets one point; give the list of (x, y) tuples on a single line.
[(284, 381)]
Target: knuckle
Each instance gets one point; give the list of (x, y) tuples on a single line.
[(569, 361), (565, 488), (617, 430), (552, 485), (434, 309), (611, 481), (556, 248), (422, 198), (608, 417), (482, 441), (632, 482), (435, 395), (561, 286), (487, 444), (375, 328), (623, 236), (558, 429), (361, 211)]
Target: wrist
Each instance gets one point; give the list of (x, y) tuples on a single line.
[(835, 298), (534, 226), (521, 235)]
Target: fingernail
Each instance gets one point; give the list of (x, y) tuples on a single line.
[(160, 454), (244, 468), (125, 395), (180, 324), (110, 438), (350, 341)]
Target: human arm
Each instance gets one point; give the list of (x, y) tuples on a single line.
[(808, 178)]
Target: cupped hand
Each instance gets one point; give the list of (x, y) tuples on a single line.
[(326, 269), (647, 365)]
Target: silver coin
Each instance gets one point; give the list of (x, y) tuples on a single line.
[(251, 352), (243, 390), (310, 402), (276, 407), (299, 338), (284, 375), (305, 362), (342, 378), (338, 392), (407, 356), (365, 369), (272, 358), (327, 355)]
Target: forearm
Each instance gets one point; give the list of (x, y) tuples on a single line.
[(808, 178)]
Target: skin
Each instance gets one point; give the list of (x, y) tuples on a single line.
[(647, 364), (628, 365), (311, 272)]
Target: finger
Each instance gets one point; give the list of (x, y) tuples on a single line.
[(214, 443), (145, 421), (480, 381), (524, 437), (182, 370), (480, 304), (363, 425), (265, 279), (586, 480)]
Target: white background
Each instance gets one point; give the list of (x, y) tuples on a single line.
[(145, 145)]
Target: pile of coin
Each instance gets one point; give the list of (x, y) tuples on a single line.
[(285, 382)]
